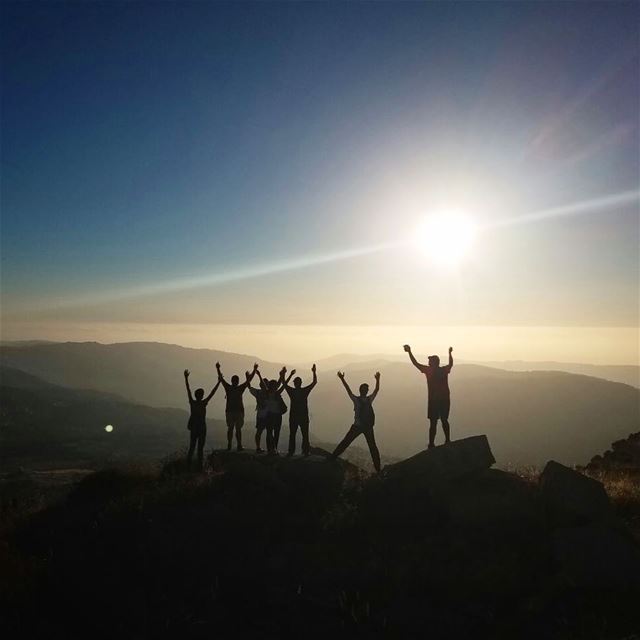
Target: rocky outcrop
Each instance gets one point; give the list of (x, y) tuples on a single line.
[(572, 498), (624, 455), (453, 460)]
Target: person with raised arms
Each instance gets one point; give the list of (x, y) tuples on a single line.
[(197, 424), (260, 394), (364, 419), (439, 397), (234, 411), (299, 414), (275, 408)]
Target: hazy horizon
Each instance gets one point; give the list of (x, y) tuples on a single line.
[(299, 343)]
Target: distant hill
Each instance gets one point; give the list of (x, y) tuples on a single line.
[(627, 374), (529, 417), (41, 422)]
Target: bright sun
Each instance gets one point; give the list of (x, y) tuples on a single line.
[(445, 237)]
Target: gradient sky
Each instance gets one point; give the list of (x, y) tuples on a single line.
[(188, 163)]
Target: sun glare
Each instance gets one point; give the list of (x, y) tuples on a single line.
[(445, 237)]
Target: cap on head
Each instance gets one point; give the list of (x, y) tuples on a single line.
[(199, 394), (297, 382)]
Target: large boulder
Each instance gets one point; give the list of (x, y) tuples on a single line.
[(598, 556), (571, 498), (452, 460)]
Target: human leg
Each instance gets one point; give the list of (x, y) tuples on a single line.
[(239, 423), (351, 435), (192, 445), (433, 425), (293, 429), (230, 425), (445, 421), (304, 428), (201, 439), (277, 425), (373, 448)]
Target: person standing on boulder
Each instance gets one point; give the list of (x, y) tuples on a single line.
[(299, 415), (439, 401), (197, 424), (364, 419), (234, 411)]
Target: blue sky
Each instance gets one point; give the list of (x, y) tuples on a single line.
[(146, 143)]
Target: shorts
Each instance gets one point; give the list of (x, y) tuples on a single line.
[(197, 426), (438, 409), (235, 419)]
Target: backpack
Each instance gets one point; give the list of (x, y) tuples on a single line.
[(365, 413)]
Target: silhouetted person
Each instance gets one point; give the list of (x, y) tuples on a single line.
[(197, 420), (275, 407), (234, 411), (438, 390), (364, 419), (299, 414), (260, 394)]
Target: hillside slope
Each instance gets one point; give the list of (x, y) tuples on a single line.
[(529, 416)]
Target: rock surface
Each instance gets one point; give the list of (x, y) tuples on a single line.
[(572, 498), (598, 556), (453, 460)]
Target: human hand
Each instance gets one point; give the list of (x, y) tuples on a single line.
[(377, 376), (341, 375), (218, 366), (313, 368), (186, 373), (407, 348), (255, 366), (293, 371), (450, 349)]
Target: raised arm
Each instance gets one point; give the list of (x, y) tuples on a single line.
[(377, 387), (249, 377), (416, 364), (186, 382), (221, 379), (212, 392), (344, 382), (253, 373), (450, 357), (314, 382), (285, 383)]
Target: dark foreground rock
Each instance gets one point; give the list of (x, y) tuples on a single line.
[(453, 460), (571, 498), (272, 547), (598, 556)]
